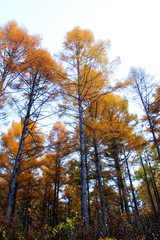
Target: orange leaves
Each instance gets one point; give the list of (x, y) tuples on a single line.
[(78, 39), (15, 46)]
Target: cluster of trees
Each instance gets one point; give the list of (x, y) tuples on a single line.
[(84, 165)]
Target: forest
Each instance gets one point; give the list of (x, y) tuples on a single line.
[(75, 162)]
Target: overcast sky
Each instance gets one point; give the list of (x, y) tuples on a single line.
[(132, 26)]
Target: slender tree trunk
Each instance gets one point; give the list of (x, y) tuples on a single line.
[(44, 205), (25, 215), (12, 185), (132, 189), (156, 193), (57, 203), (88, 194), (54, 203), (14, 200), (123, 197), (82, 152), (148, 188), (103, 208), (149, 120), (119, 182)]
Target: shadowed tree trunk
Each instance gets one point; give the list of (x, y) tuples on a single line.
[(156, 193), (131, 185), (12, 186), (83, 165), (123, 198), (148, 188), (88, 194), (103, 208), (143, 89)]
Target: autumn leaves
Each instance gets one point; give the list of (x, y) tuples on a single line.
[(103, 129)]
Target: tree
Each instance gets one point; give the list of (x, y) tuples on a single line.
[(16, 49), (59, 144), (115, 125), (36, 87), (87, 65), (143, 86), (54, 168), (155, 112), (26, 181)]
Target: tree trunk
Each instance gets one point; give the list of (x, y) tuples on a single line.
[(44, 205), (83, 165), (156, 193), (103, 208), (149, 120), (132, 189), (121, 185), (148, 188), (12, 185), (54, 203), (88, 194)]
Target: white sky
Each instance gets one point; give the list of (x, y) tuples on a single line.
[(132, 26)]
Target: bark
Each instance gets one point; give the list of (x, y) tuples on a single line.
[(119, 183), (156, 193), (123, 197), (103, 208), (56, 193), (57, 204), (149, 120), (148, 188), (88, 194), (132, 189), (12, 186), (26, 216), (82, 153), (54, 202), (44, 205)]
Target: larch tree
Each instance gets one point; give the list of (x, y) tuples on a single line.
[(116, 127), (58, 139), (16, 45), (54, 168), (155, 113), (87, 66), (26, 181), (144, 86), (37, 85)]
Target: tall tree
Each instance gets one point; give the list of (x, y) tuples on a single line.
[(59, 144), (87, 65), (116, 127), (27, 176), (144, 86), (16, 49), (37, 86)]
